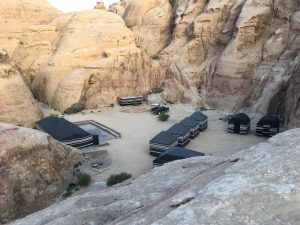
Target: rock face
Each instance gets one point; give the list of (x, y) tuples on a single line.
[(34, 170), (17, 105), (17, 15), (260, 185), (89, 56)]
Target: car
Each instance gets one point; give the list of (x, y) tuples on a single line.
[(159, 109)]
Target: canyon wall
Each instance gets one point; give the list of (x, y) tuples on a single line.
[(34, 170)]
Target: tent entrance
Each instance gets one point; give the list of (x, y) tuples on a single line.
[(237, 127)]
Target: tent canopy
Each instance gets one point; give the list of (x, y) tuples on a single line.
[(272, 121), (241, 118), (178, 129), (61, 129), (164, 138), (189, 122), (199, 116), (176, 153)]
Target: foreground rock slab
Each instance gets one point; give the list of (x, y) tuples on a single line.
[(34, 170), (260, 185)]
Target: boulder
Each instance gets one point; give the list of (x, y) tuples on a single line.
[(34, 170), (17, 105), (259, 185)]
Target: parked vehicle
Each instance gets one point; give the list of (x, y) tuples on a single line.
[(134, 100), (159, 109)]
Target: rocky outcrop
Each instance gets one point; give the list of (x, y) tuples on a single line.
[(34, 170), (259, 185), (17, 105), (18, 15), (88, 56)]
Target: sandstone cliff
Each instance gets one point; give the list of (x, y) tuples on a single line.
[(17, 105), (34, 170), (18, 15), (260, 185)]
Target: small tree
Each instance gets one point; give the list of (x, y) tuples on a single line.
[(75, 108), (163, 117), (117, 178), (84, 179)]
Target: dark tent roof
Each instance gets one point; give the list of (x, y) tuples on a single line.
[(176, 153), (189, 122), (273, 121), (164, 138), (178, 129), (199, 116), (240, 118), (61, 129)]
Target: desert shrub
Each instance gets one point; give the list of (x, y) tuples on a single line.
[(155, 57), (84, 179), (163, 117), (157, 90), (70, 190), (170, 102), (117, 178), (112, 105), (75, 108)]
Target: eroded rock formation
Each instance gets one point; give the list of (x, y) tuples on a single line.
[(34, 170), (18, 15), (259, 185), (17, 105)]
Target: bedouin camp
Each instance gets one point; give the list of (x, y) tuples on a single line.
[(65, 132), (201, 119), (175, 153), (268, 126), (239, 123), (162, 142), (192, 124), (181, 132)]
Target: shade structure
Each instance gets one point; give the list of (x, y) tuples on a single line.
[(176, 153), (192, 124), (182, 134), (268, 126), (201, 118), (162, 142), (239, 123), (65, 132)]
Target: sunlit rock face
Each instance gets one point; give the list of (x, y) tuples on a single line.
[(17, 105), (34, 170), (259, 185), (17, 15)]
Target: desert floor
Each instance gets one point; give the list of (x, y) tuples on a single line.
[(137, 126)]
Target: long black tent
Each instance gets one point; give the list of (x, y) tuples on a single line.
[(201, 118), (65, 132), (239, 123), (268, 126), (181, 132), (192, 124), (162, 142), (173, 154)]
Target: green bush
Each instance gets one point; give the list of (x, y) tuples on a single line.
[(70, 190), (163, 117), (112, 105), (157, 90), (170, 102), (84, 179), (75, 108), (117, 178)]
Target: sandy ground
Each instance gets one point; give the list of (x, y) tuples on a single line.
[(137, 126)]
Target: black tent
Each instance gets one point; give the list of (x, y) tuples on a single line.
[(268, 126), (65, 132), (201, 119), (239, 123), (192, 124), (176, 153), (162, 142), (181, 132)]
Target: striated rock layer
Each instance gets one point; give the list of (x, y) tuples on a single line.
[(17, 105), (18, 15), (260, 185), (34, 170)]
